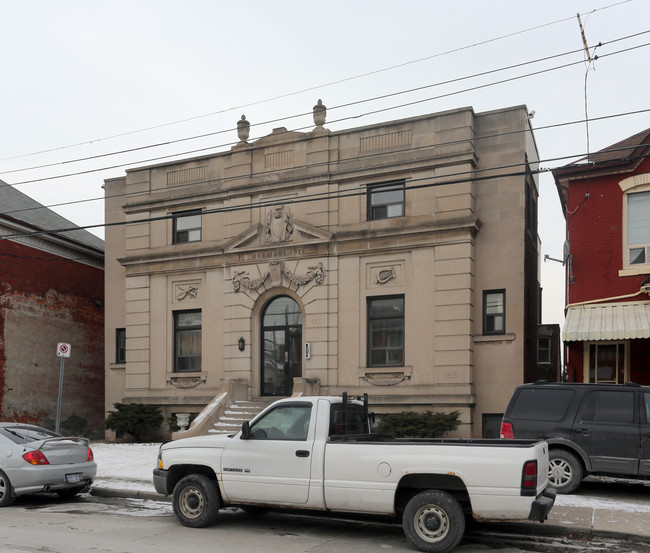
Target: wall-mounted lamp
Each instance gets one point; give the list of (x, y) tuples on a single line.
[(241, 344)]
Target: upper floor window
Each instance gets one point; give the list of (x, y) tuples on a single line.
[(120, 345), (494, 312), (187, 227), (386, 331), (187, 341), (386, 200), (543, 349), (638, 228)]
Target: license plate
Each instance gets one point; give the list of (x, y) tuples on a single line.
[(73, 478)]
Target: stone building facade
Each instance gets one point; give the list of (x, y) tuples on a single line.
[(399, 259)]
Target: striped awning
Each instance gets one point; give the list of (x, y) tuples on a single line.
[(612, 321)]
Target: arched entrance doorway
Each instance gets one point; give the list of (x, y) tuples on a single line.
[(281, 346)]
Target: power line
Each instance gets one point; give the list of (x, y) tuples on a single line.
[(343, 194), (289, 117), (339, 81), (374, 112), (313, 165)]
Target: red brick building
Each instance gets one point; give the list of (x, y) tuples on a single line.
[(51, 291), (606, 203)]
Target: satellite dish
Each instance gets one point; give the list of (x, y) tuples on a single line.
[(566, 251)]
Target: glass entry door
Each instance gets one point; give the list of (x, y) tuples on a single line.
[(281, 346)]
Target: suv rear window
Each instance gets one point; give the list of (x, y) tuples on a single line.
[(542, 404)]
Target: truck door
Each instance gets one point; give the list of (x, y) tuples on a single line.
[(274, 464), (607, 428), (644, 461)]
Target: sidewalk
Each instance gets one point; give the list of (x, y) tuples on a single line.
[(599, 509)]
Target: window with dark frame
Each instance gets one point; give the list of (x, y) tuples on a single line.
[(187, 227), (386, 200), (386, 331), (120, 345), (543, 349), (187, 341), (494, 312)]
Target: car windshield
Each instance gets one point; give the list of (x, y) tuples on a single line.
[(26, 434)]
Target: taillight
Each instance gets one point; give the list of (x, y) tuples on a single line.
[(529, 478), (90, 456), (36, 458), (506, 431)]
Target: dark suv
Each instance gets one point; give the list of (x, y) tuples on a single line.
[(599, 429)]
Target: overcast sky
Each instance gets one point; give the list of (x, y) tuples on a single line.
[(87, 79)]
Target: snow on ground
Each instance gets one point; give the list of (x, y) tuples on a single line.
[(633, 503), (125, 466)]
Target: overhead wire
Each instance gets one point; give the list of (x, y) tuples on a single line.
[(332, 108), (352, 117), (339, 81), (225, 180), (320, 196)]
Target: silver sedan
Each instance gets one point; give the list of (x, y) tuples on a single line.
[(34, 460)]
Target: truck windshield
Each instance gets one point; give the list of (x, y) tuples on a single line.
[(350, 419)]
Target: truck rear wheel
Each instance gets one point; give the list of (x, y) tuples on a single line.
[(564, 471), (196, 501), (433, 521)]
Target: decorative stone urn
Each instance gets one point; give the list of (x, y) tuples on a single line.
[(320, 112), (243, 129), (183, 420)]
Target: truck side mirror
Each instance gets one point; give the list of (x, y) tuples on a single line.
[(245, 430)]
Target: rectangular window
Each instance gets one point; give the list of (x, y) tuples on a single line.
[(609, 406), (386, 331), (543, 349), (187, 341), (607, 363), (385, 200), (638, 228), (494, 312), (187, 227), (120, 345)]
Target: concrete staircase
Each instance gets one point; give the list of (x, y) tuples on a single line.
[(240, 411)]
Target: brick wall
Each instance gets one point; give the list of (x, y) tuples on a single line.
[(45, 299)]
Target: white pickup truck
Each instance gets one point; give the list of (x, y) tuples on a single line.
[(317, 453)]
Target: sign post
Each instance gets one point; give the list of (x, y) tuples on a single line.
[(62, 351)]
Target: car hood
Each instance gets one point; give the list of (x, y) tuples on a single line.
[(217, 440)]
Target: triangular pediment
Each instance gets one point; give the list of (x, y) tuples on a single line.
[(260, 236)]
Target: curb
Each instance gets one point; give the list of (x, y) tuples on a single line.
[(129, 494), (542, 530)]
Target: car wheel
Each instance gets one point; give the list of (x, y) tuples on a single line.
[(433, 521), (6, 498), (196, 501), (564, 471)]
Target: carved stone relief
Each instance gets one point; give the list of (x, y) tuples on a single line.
[(241, 280), (277, 271), (186, 292), (279, 225)]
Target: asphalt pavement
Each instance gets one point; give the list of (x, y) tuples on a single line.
[(601, 509)]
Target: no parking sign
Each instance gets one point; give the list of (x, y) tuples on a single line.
[(62, 349)]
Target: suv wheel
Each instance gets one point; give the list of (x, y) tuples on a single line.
[(564, 471)]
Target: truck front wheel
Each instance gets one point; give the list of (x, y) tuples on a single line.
[(433, 521), (196, 501)]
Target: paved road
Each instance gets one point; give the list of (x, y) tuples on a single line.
[(117, 525)]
